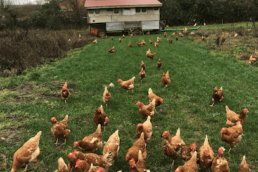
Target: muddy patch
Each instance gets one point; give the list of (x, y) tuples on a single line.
[(29, 92)]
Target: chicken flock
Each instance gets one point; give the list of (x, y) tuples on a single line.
[(172, 147)]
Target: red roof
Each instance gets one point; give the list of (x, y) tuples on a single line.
[(106, 3)]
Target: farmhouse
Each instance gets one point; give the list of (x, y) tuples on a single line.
[(122, 15)]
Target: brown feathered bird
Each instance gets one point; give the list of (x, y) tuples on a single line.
[(62, 167), (156, 44), (149, 55), (151, 41), (172, 145), (191, 165), (217, 95), (27, 153), (130, 44), (172, 34), (158, 100), (112, 38), (100, 117), (203, 38), (92, 142), (170, 40), (244, 166), (142, 65), (60, 129), (120, 40), (106, 95), (104, 37), (205, 155), (220, 163), (139, 44), (165, 34), (134, 150), (123, 36), (95, 41), (142, 74), (165, 79), (177, 38), (232, 135), (159, 64), (111, 50), (143, 42), (65, 92), (131, 35)]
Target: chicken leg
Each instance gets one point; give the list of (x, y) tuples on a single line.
[(172, 165), (56, 143), (229, 151), (25, 168), (213, 101), (37, 165), (64, 143)]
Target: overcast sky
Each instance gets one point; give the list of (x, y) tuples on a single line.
[(23, 2)]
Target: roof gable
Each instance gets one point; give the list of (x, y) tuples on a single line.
[(112, 3)]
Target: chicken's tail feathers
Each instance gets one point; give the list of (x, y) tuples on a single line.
[(194, 156), (66, 117), (37, 136), (227, 109), (178, 132), (243, 161), (117, 131), (140, 155), (61, 162), (206, 140), (131, 86), (220, 88), (150, 91), (111, 85), (98, 128)]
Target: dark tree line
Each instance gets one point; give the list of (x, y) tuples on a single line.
[(188, 12)]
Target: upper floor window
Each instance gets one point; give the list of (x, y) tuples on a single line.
[(116, 10), (156, 8), (144, 9), (138, 10), (97, 11), (91, 11)]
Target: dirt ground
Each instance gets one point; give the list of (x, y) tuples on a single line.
[(239, 42)]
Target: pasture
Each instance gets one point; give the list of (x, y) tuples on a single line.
[(30, 100)]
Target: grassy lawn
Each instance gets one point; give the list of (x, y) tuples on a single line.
[(29, 101)]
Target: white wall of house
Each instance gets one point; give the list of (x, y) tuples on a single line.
[(123, 15), (24, 2)]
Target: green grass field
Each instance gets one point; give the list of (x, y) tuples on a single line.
[(194, 72)]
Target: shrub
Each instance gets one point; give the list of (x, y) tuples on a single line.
[(39, 19)]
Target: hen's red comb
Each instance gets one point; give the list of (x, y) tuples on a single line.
[(139, 125)]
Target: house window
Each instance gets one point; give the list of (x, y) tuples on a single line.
[(138, 10), (97, 11), (91, 11), (156, 8), (116, 10), (144, 9)]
